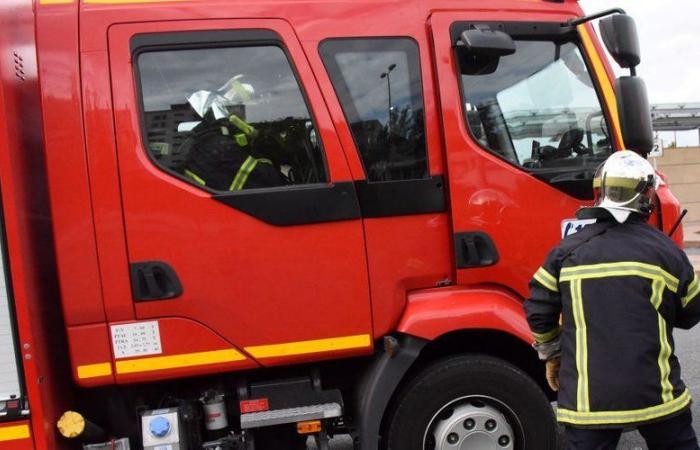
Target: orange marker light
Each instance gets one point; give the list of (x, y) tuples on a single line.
[(309, 427)]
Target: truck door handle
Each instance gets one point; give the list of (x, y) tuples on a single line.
[(474, 249), (154, 280)]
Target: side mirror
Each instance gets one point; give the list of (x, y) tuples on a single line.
[(635, 114), (483, 41), (619, 34)]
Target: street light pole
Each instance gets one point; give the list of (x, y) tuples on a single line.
[(387, 75)]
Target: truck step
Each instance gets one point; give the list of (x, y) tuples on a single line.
[(290, 415)]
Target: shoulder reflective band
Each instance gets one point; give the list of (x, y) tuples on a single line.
[(624, 417), (242, 125), (621, 269), (692, 292), (194, 177), (542, 338), (546, 279), (582, 399)]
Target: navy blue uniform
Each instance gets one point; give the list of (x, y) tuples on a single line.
[(619, 289)]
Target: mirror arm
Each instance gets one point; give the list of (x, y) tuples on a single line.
[(584, 19)]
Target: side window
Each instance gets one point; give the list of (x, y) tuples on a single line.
[(379, 86), (538, 109), (228, 118)]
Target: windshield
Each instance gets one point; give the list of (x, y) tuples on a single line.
[(537, 108)]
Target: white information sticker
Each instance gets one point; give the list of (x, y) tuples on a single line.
[(572, 226), (136, 339)]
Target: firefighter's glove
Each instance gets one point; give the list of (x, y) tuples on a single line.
[(548, 350), (552, 366)]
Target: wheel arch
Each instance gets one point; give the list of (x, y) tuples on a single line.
[(436, 324)]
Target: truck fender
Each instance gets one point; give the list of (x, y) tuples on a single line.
[(430, 314)]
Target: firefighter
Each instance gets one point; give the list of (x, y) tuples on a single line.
[(220, 151), (602, 310)]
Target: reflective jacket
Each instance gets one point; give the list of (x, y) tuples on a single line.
[(612, 293), (220, 157)]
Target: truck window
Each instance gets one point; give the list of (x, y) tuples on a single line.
[(538, 109), (378, 84), (228, 118)]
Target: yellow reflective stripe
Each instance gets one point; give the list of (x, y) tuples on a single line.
[(55, 2), (242, 125), (243, 174), (241, 140), (692, 292), (13, 433), (94, 370), (178, 361), (627, 268), (624, 417), (546, 279), (548, 336), (194, 177), (313, 346), (582, 398), (604, 82), (657, 295)]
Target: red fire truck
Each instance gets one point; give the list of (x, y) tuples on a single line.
[(242, 224)]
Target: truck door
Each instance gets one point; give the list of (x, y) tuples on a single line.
[(524, 135), (238, 203)]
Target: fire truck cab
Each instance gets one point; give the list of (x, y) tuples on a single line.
[(235, 225)]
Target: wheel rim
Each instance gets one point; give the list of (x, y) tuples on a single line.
[(473, 422)]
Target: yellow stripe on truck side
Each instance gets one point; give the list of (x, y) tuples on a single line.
[(307, 347), (178, 361), (94, 370), (14, 433), (606, 86)]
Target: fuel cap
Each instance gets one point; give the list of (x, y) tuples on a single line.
[(159, 427)]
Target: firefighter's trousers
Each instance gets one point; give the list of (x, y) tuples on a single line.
[(671, 434)]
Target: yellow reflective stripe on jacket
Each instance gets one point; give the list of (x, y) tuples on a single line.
[(243, 173), (582, 397), (546, 279), (241, 124), (624, 417), (548, 336), (194, 177), (657, 294), (692, 292), (620, 269)]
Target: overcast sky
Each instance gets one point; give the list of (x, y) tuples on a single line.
[(669, 33)]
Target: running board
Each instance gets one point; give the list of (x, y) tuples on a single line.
[(290, 415)]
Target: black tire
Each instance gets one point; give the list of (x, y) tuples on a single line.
[(516, 395)]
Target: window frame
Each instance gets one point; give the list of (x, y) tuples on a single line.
[(531, 31), (213, 39), (327, 58)]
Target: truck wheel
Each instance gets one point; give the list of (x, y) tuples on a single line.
[(471, 402)]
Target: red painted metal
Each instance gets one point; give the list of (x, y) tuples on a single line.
[(487, 194), (434, 312), (246, 283)]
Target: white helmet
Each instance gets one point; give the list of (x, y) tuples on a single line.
[(624, 184)]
